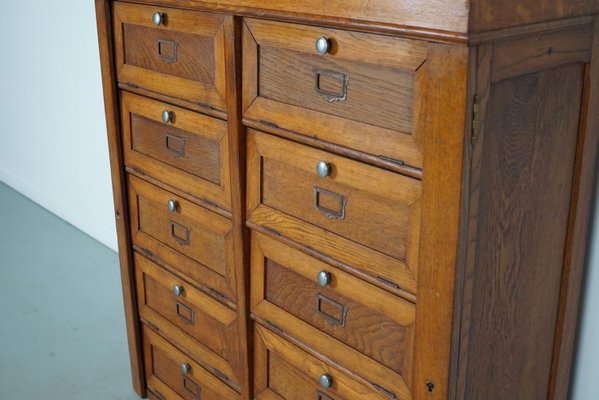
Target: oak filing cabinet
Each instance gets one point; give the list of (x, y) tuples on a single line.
[(346, 200)]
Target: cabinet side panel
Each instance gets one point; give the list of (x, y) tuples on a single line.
[(580, 216), (526, 174), (488, 15), (104, 21)]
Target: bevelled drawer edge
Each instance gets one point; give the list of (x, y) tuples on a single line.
[(389, 17)]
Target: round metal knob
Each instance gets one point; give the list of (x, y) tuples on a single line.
[(323, 278), (157, 18), (323, 169), (172, 205), (185, 368), (322, 45), (167, 116), (178, 290), (325, 381)]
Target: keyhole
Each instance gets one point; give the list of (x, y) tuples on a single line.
[(430, 387)]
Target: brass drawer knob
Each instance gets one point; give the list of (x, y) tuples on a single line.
[(323, 278), (322, 45), (325, 381), (167, 116), (323, 169), (185, 368), (172, 205), (178, 290), (157, 18)]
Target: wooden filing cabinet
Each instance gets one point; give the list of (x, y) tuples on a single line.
[(350, 200)]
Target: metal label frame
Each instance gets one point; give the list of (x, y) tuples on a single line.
[(331, 97), (329, 318), (179, 151), (331, 214), (186, 311), (182, 241), (172, 44)]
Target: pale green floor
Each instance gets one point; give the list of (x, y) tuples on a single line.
[(62, 333)]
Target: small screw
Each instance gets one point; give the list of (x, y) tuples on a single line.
[(430, 387)]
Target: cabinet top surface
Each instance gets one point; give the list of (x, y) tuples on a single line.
[(447, 20)]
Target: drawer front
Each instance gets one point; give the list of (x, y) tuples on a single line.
[(195, 241), (283, 371), (361, 215), (299, 293), (190, 151), (181, 54), (165, 375), (361, 94), (177, 308)]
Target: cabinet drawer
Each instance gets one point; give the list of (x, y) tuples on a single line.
[(195, 241), (361, 215), (198, 323), (283, 371), (168, 379), (286, 291), (190, 151), (362, 94), (181, 56)]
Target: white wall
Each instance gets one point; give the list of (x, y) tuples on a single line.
[(53, 143), (586, 367), (52, 132)]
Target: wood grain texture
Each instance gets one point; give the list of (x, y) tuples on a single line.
[(530, 30), (286, 369), (380, 162), (461, 283), (179, 191), (197, 107), (521, 56), (237, 163), (480, 63), (456, 262), (187, 56), (352, 190), (293, 78), (390, 51), (437, 19), (356, 325), (444, 76), (205, 328), (163, 372), (192, 239), (177, 148), (487, 15), (373, 114), (531, 130), (351, 362), (578, 229), (190, 152), (515, 40), (154, 394), (282, 180), (119, 190), (196, 74), (374, 322), (295, 242)]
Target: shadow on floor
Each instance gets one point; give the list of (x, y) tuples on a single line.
[(62, 331)]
